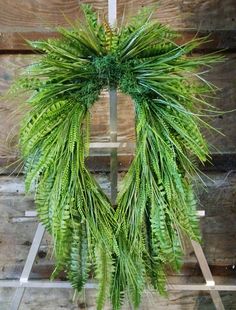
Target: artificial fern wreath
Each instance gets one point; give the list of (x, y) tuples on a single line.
[(130, 247)]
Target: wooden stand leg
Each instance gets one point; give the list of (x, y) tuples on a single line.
[(28, 266), (207, 275)]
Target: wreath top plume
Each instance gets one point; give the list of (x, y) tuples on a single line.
[(131, 246)]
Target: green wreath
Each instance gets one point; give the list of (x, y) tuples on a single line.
[(130, 247)]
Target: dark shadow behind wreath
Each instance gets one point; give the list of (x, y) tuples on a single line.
[(130, 247)]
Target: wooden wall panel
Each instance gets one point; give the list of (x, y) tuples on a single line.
[(223, 76), (37, 19), (10, 114), (39, 15), (51, 299), (43, 15)]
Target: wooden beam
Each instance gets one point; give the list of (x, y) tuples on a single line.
[(100, 163), (93, 285)]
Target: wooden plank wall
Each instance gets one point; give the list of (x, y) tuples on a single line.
[(35, 19)]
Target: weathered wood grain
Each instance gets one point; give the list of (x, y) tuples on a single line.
[(38, 19), (175, 301), (101, 163), (15, 42), (42, 15), (52, 299), (223, 76)]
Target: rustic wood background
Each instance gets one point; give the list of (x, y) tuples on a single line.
[(35, 19)]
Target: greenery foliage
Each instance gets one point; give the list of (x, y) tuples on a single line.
[(131, 246)]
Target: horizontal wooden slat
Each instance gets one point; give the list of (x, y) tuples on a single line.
[(38, 19), (221, 162), (101, 163), (44, 268), (38, 15), (51, 299), (40, 284)]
